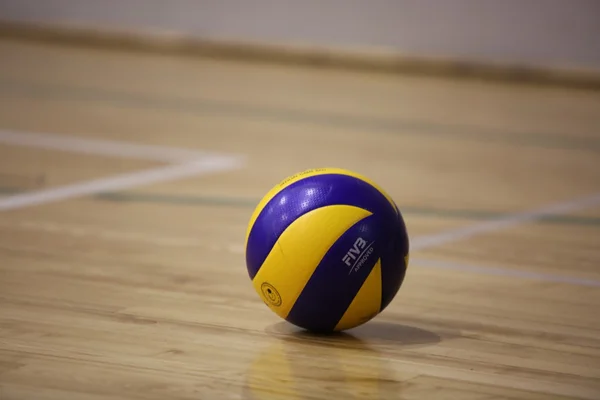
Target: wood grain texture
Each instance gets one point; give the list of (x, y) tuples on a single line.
[(143, 293)]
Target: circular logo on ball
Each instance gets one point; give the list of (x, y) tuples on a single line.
[(271, 295)]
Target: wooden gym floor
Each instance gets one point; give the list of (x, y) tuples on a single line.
[(127, 180)]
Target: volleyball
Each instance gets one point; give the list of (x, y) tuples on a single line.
[(327, 249)]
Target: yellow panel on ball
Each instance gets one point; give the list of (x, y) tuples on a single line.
[(326, 249), (298, 251), (367, 302), (303, 175)]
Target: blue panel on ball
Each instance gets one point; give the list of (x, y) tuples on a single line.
[(393, 266), (334, 284), (304, 196)]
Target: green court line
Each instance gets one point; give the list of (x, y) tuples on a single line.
[(179, 200), (219, 201), (370, 125), (9, 190), (251, 203)]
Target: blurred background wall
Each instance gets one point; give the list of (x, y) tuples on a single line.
[(554, 33)]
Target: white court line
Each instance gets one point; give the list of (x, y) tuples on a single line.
[(202, 164), (187, 163), (505, 272), (99, 147), (496, 224), (511, 220), (124, 181)]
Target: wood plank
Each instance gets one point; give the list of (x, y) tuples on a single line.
[(143, 293)]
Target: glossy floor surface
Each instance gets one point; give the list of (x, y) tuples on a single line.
[(127, 181)]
